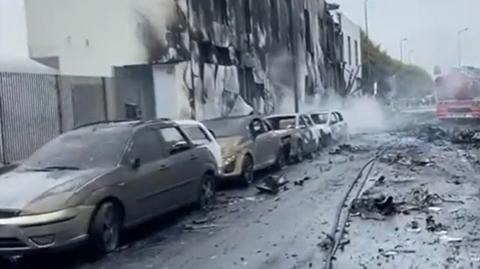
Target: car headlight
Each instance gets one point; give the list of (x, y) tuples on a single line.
[(229, 163), (41, 219)]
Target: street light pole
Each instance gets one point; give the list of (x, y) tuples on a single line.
[(459, 45), (366, 17), (401, 47)]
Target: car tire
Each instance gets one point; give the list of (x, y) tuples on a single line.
[(247, 176), (105, 229), (299, 156), (281, 161), (207, 192)]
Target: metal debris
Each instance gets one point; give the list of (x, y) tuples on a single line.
[(272, 184)]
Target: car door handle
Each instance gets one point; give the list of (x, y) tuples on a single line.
[(193, 157), (163, 167)]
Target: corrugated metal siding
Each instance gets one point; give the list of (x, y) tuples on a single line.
[(28, 113)]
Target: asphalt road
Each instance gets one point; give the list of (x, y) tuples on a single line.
[(248, 229)]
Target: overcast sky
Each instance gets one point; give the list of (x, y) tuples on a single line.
[(430, 25), (13, 36)]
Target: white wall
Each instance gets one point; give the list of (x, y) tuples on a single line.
[(91, 36), (352, 30), (13, 36)]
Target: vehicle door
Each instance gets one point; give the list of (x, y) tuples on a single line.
[(201, 136), (272, 141), (185, 167), (308, 133), (261, 139), (333, 123), (148, 172), (342, 126)]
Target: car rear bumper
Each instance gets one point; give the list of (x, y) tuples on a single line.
[(24, 235)]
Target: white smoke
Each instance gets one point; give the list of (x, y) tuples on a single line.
[(363, 114)]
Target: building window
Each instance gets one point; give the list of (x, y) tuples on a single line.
[(308, 37), (349, 44), (274, 19), (356, 53), (222, 10), (132, 112)]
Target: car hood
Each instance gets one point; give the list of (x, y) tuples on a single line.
[(230, 145), (20, 188)]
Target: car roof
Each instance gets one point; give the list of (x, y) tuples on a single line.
[(127, 124), (243, 118), (284, 115)]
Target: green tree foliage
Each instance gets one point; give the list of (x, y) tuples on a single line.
[(392, 77)]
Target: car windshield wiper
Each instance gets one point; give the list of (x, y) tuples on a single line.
[(54, 168)]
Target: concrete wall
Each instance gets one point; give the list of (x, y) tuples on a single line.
[(91, 36)]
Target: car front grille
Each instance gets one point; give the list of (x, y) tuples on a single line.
[(11, 243), (5, 214)]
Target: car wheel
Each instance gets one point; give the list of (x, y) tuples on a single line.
[(105, 229), (247, 176), (206, 198), (281, 161), (300, 153)]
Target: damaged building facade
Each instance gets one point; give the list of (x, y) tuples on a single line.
[(266, 56), (195, 58)]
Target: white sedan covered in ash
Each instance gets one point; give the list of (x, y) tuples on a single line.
[(331, 125)]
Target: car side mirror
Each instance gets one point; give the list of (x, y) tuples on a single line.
[(135, 163), (179, 147)]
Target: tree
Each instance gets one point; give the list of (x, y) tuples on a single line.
[(393, 78)]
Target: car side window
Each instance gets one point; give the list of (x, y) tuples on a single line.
[(267, 126), (196, 134), (303, 124), (332, 118), (147, 146), (172, 136), (257, 127), (309, 121), (339, 116)]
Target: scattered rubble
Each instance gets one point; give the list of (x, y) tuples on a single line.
[(300, 182), (347, 148), (374, 207), (433, 226), (271, 184)]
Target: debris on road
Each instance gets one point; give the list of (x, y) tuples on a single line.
[(374, 207), (450, 239), (272, 184), (433, 226), (347, 148), (300, 182), (195, 227), (413, 227)]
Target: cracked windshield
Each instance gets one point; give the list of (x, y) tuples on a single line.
[(239, 134)]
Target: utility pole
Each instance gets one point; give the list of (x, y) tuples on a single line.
[(459, 45), (294, 54), (401, 47)]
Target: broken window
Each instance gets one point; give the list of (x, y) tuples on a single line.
[(274, 19), (132, 111), (248, 16), (308, 37), (221, 8), (349, 44)]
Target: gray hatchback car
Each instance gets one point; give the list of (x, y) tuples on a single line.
[(86, 185)]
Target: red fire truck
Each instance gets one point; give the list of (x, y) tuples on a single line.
[(458, 94)]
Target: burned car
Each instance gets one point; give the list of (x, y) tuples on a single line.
[(248, 145), (300, 132), (331, 125), (87, 185)]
